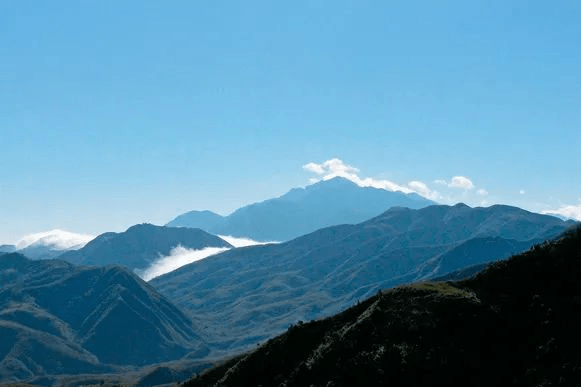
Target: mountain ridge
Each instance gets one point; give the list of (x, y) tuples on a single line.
[(514, 323), (262, 289)]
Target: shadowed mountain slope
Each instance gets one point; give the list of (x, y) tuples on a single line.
[(57, 318), (302, 210), (249, 294), (140, 246), (516, 323)]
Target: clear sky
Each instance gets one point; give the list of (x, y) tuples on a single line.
[(119, 112)]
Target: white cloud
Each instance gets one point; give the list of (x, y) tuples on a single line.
[(570, 211), (461, 182), (337, 168), (243, 242), (316, 168), (178, 257), (55, 239), (423, 190), (522, 191)]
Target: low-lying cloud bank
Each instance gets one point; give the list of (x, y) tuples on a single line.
[(56, 240), (243, 242), (178, 257)]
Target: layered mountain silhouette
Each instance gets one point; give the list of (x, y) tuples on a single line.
[(57, 318), (301, 211), (140, 246), (249, 294), (516, 323), (7, 248)]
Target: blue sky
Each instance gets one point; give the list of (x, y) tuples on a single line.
[(115, 113)]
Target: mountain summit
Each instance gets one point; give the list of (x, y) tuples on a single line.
[(302, 210)]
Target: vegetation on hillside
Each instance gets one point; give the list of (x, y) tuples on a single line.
[(516, 323)]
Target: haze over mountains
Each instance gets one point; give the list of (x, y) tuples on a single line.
[(302, 210), (247, 295)]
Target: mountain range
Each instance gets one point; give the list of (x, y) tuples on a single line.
[(247, 295), (57, 318), (140, 246), (516, 323), (64, 323), (301, 211)]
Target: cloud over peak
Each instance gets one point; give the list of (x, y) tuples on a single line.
[(458, 188), (55, 239), (337, 168)]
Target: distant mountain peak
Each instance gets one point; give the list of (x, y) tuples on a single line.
[(336, 181), (142, 227), (303, 210)]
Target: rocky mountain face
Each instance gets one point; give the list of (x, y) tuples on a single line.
[(516, 323), (301, 211)]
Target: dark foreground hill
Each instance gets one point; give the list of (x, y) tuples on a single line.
[(140, 246), (517, 323), (301, 211), (57, 318), (247, 295)]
